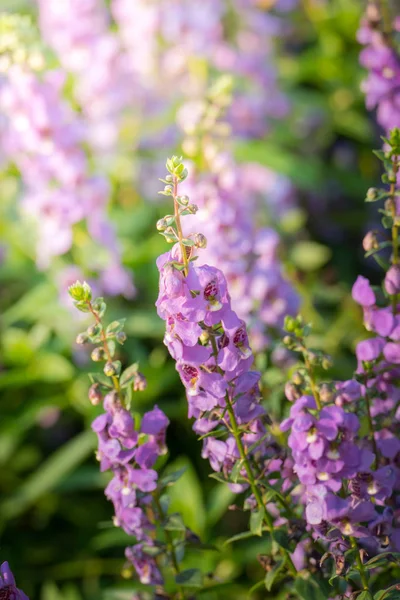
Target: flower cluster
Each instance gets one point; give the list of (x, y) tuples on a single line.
[(131, 452), (208, 341), (193, 34), (8, 588), (351, 480), (45, 138), (382, 60), (80, 34), (247, 253)]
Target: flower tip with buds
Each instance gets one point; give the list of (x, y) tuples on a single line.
[(80, 291)]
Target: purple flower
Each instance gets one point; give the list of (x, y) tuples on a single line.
[(145, 565), (392, 280), (362, 292), (8, 588)]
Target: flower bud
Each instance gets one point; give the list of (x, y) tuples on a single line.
[(192, 209), (297, 378), (169, 178), (372, 194), (289, 323), (392, 280), (80, 291), (204, 337), (287, 340), (291, 392), (121, 337), (184, 200), (161, 225), (97, 354), (326, 362), (200, 240), (139, 382), (82, 338), (95, 395), (110, 369), (325, 393), (370, 241), (168, 190), (390, 205)]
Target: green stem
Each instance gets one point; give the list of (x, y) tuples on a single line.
[(313, 383), (395, 228), (103, 337), (179, 227), (360, 566), (253, 484), (169, 540)]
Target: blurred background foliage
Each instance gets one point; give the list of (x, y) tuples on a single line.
[(55, 524)]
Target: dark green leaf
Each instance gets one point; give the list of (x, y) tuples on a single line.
[(115, 327), (273, 575), (172, 477), (129, 375), (101, 379), (175, 523), (256, 522), (309, 589), (282, 539), (190, 578)]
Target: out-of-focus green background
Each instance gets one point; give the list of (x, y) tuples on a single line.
[(55, 524)]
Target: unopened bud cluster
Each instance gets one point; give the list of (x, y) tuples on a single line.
[(170, 225)]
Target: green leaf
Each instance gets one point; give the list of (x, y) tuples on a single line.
[(115, 327), (192, 578), (256, 522), (387, 222), (272, 575), (235, 473), (171, 478), (101, 379), (128, 375), (175, 523), (50, 474), (282, 539), (238, 537), (366, 595), (309, 589), (218, 477), (152, 550), (310, 255), (339, 583), (187, 242), (387, 556)]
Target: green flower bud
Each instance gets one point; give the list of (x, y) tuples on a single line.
[(98, 354), (200, 240), (161, 225), (110, 369), (192, 209), (183, 200), (297, 378), (372, 194), (121, 337), (289, 324), (82, 338), (80, 291)]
